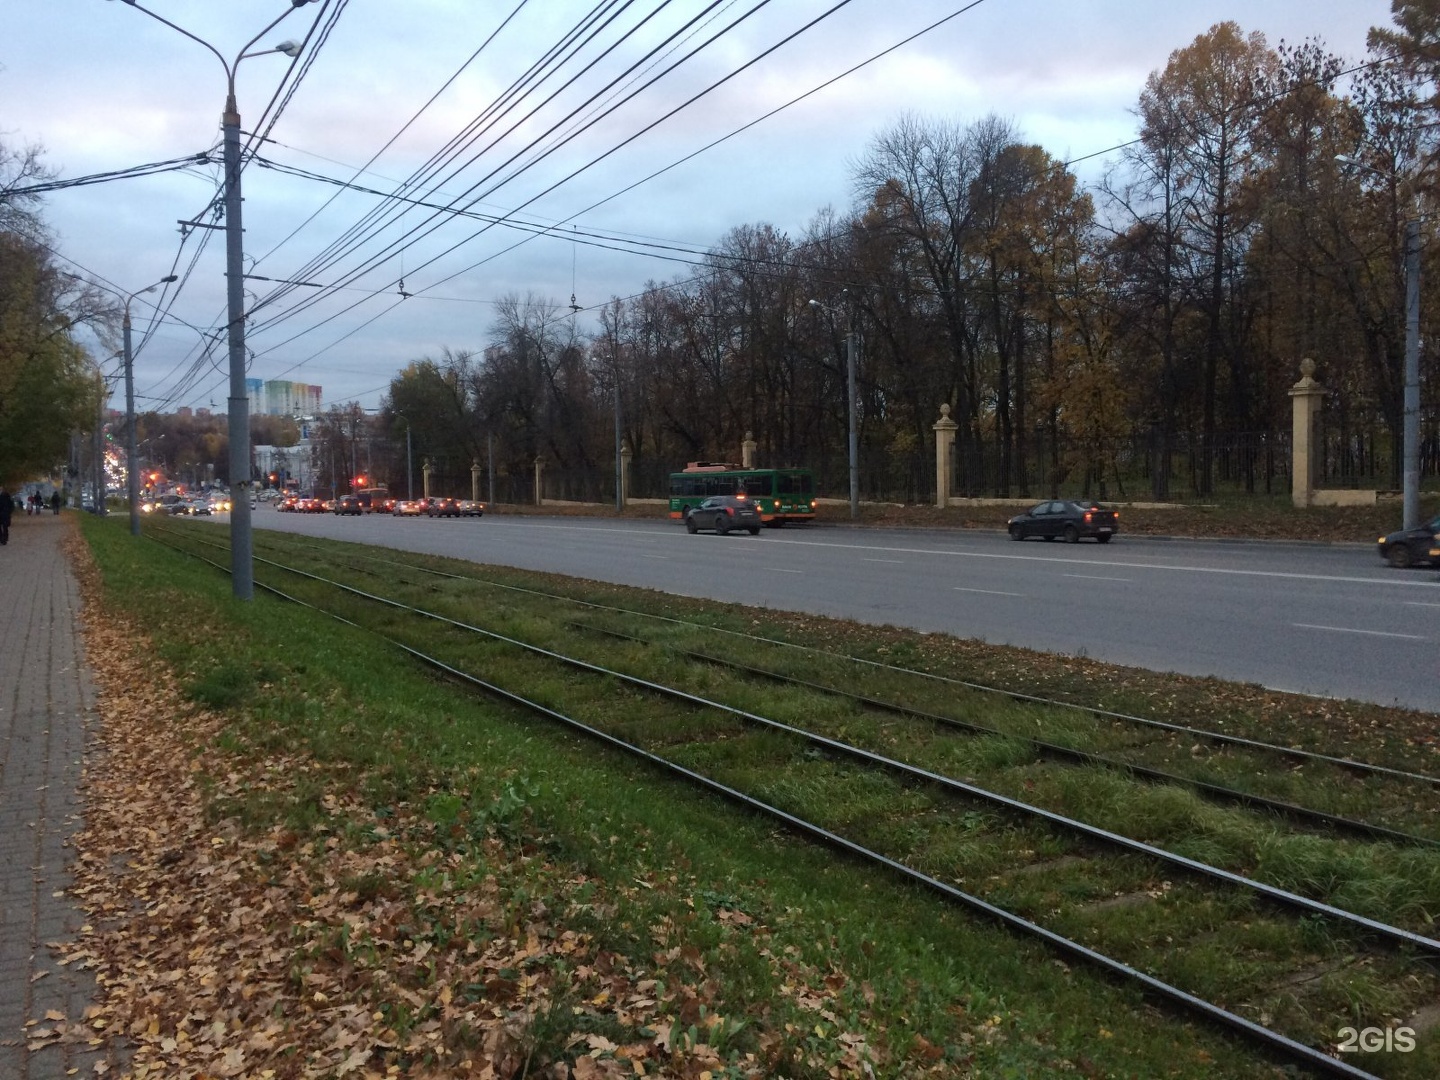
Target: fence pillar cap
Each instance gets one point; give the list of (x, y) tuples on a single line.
[(945, 423), (1307, 383)]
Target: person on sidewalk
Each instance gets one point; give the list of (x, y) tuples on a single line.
[(7, 507), (55, 502)]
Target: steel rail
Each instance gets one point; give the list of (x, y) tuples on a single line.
[(1015, 695), (1395, 934), (1054, 750), (1293, 1049)]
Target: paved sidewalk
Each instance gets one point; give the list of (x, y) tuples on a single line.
[(47, 717)]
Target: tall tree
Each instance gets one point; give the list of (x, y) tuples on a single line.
[(1208, 104)]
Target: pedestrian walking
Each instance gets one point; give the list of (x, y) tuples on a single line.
[(55, 502), (7, 507)]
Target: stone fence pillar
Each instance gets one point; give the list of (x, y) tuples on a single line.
[(1305, 396), (539, 480), (474, 481), (425, 471), (625, 455), (747, 451), (944, 457)]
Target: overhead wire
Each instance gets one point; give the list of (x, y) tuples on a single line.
[(438, 219), (552, 57), (648, 127), (771, 113)]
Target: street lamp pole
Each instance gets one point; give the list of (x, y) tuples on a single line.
[(242, 557), (1411, 487), (1410, 436), (132, 477), (853, 440)]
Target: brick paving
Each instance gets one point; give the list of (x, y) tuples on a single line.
[(47, 720)]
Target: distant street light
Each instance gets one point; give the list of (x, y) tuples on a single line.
[(242, 561), (1410, 513), (132, 475), (854, 441)]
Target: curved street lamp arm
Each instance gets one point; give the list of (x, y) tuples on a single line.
[(180, 29)]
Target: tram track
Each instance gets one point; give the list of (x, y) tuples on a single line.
[(1361, 928), (1292, 753), (1321, 819)]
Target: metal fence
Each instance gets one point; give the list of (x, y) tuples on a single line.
[(1140, 467)]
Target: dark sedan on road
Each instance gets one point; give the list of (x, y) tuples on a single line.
[(442, 507), (1411, 547), (1066, 519), (723, 513), (349, 504)]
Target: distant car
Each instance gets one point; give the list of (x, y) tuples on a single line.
[(311, 504), (408, 508), (349, 504), (196, 507), (1067, 520), (723, 513), (1412, 547), (471, 508), (442, 507)]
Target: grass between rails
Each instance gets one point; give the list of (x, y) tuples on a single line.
[(1253, 957), (472, 882)]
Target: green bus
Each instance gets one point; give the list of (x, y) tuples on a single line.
[(780, 495)]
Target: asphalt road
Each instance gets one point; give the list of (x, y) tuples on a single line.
[(1328, 620)]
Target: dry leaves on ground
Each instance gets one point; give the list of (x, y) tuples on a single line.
[(367, 947)]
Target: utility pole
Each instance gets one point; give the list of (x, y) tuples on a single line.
[(851, 348), (1411, 488)]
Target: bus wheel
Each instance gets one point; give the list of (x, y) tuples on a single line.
[(776, 523)]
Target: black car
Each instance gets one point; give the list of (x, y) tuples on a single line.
[(1411, 547), (723, 513), (349, 504), (1067, 520)]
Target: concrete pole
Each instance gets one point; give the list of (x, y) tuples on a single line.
[(625, 456), (98, 480), (851, 347), (539, 488), (1411, 511), (619, 459), (132, 476), (242, 561), (409, 466)]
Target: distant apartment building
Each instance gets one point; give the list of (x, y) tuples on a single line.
[(279, 397)]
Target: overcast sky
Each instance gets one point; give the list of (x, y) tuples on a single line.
[(102, 87)]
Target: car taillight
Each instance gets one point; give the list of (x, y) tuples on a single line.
[(1087, 517)]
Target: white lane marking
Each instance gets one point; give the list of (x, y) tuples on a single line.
[(662, 558), (1096, 577), (782, 570), (1419, 603), (1349, 579), (1352, 630), (893, 562), (988, 592)]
